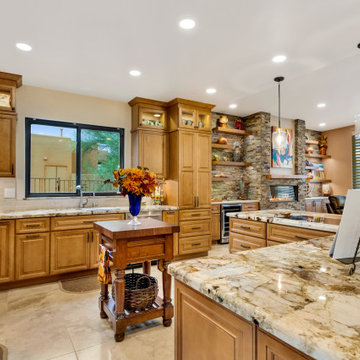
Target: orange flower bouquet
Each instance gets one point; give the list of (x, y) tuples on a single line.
[(136, 183)]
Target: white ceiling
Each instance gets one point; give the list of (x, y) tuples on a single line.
[(88, 47)]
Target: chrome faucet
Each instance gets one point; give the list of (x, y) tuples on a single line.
[(93, 199), (83, 202)]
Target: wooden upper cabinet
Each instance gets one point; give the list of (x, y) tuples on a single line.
[(150, 149), (7, 241), (8, 85), (188, 114), (7, 145), (148, 114)]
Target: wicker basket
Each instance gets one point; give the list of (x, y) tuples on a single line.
[(140, 291)]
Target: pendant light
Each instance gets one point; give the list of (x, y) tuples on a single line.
[(280, 135)]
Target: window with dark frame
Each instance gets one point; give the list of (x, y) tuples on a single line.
[(61, 155)]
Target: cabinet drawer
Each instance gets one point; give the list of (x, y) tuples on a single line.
[(285, 234), (244, 242), (215, 209), (250, 207), (81, 222), (194, 244), (248, 227), (25, 226), (192, 228), (194, 214)]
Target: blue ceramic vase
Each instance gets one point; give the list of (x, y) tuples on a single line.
[(134, 207)]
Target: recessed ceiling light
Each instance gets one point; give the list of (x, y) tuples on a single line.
[(135, 72), (279, 58), (322, 124), (23, 46), (321, 105), (187, 24), (157, 115), (232, 106), (211, 90)]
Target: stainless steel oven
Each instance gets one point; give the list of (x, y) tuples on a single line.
[(225, 220)]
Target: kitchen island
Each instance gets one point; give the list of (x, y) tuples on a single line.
[(255, 229), (289, 301)]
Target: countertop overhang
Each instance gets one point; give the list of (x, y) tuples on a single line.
[(294, 291), (78, 211), (317, 221)]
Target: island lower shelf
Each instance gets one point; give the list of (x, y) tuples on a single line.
[(206, 330)]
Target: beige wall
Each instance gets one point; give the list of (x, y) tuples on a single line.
[(339, 167), (57, 105)]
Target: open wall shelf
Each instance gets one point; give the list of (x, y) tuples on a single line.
[(222, 146), (232, 163), (223, 179), (318, 156), (319, 181), (271, 176), (232, 131)]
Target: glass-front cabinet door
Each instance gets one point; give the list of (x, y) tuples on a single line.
[(203, 120), (152, 118), (187, 117)]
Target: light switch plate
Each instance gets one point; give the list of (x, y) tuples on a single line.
[(9, 193)]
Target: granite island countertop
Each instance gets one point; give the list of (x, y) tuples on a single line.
[(77, 211), (315, 220), (293, 291)]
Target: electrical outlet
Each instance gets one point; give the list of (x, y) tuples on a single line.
[(9, 193)]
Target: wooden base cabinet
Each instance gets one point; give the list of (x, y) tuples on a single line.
[(32, 255), (205, 330), (269, 348), (7, 245), (215, 223), (70, 251), (172, 217)]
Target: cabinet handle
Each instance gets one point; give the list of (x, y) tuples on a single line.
[(197, 244), (32, 226), (12, 169), (170, 212), (245, 227), (300, 237), (4, 223), (88, 221), (92, 236), (196, 228), (244, 246), (88, 237), (33, 237)]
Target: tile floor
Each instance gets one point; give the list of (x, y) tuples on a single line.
[(45, 323)]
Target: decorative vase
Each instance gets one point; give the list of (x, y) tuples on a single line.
[(134, 208)]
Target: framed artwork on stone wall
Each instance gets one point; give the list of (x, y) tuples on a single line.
[(282, 155)]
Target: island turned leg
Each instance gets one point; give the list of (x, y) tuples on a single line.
[(120, 321), (146, 267), (168, 307), (104, 295)]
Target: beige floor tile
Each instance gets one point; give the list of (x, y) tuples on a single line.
[(154, 343), (71, 356)]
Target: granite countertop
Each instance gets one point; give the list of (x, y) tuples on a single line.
[(315, 220), (233, 202), (77, 211), (294, 291)]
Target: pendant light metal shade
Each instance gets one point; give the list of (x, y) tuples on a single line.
[(281, 135)]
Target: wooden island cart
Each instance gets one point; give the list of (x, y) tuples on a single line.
[(152, 240)]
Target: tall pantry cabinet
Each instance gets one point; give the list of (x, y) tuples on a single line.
[(188, 185), (173, 139)]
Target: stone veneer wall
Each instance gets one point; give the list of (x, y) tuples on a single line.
[(313, 190), (229, 190), (257, 150)]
